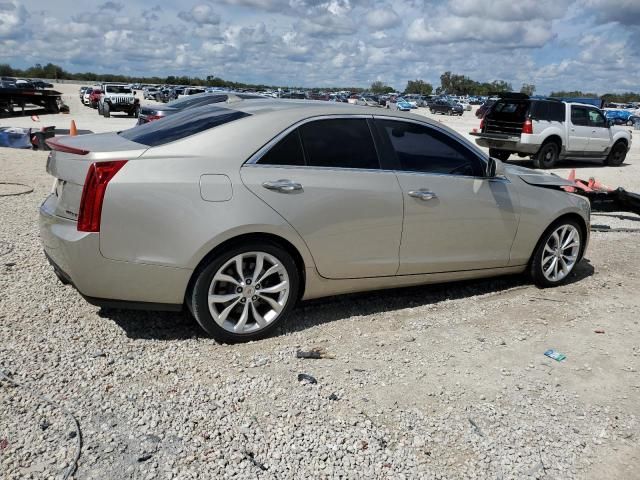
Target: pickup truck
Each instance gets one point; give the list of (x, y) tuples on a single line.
[(550, 130)]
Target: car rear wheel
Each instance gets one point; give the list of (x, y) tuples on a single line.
[(245, 293), (617, 155), (557, 254), (547, 156)]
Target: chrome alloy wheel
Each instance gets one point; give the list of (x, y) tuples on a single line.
[(560, 253), (248, 292)]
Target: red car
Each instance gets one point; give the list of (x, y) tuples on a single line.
[(94, 97)]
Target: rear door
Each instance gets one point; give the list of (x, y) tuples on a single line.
[(324, 179), (579, 130), (455, 218), (600, 139)]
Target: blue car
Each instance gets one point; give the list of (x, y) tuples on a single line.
[(401, 104), (621, 117)]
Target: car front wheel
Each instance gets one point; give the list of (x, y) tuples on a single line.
[(106, 110), (557, 254), (245, 293)]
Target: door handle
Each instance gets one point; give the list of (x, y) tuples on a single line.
[(422, 194), (282, 186)]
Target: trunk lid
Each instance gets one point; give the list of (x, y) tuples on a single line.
[(70, 159)]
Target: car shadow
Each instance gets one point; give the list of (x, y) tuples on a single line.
[(145, 325), (526, 162)]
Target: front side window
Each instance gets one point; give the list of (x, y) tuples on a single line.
[(579, 116), (596, 119), (422, 149), (339, 143)]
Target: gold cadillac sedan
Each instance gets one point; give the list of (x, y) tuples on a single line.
[(238, 210)]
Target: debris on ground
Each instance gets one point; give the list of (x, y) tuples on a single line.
[(314, 353), (306, 379), (555, 355)]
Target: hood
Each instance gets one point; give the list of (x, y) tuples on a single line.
[(535, 177)]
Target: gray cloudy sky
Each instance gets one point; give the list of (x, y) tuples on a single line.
[(591, 45)]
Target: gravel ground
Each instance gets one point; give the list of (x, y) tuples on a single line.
[(437, 382)]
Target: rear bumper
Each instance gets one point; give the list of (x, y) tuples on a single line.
[(76, 259), (511, 143)]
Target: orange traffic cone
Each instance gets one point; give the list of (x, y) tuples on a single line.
[(73, 131)]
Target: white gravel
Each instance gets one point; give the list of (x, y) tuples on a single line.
[(439, 382)]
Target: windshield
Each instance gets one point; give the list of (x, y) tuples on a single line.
[(181, 125), (116, 89)]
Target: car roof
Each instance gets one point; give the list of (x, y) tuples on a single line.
[(290, 111)]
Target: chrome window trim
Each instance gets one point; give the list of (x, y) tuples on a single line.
[(255, 158)]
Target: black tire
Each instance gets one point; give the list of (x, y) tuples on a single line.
[(501, 155), (617, 155), (199, 293), (106, 110), (535, 265), (99, 108), (547, 156)]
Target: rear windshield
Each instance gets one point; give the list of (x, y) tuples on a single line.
[(181, 125), (510, 110), (185, 102)]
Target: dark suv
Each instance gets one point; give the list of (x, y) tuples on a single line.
[(446, 107)]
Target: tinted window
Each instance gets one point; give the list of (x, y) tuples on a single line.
[(343, 143), (287, 151), (181, 125), (422, 149), (596, 119), (579, 116), (556, 111)]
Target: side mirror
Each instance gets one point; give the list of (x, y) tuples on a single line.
[(134, 93), (495, 168)]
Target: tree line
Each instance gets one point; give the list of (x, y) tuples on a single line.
[(450, 83)]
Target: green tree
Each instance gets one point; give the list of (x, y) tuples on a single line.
[(379, 87), (528, 88), (419, 86)]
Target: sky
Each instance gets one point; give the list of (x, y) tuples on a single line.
[(588, 45)]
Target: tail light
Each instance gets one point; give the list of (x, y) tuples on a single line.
[(151, 118), (528, 126), (95, 186)]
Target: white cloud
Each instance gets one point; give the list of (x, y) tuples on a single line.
[(201, 14), (383, 18)]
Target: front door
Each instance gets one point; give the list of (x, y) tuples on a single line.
[(455, 218), (324, 179), (600, 139)]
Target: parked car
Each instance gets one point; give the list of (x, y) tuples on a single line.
[(85, 96), (82, 90), (399, 103), (149, 113), (620, 117), (94, 97), (484, 108), (465, 106), (243, 209), (41, 84), (550, 130), (191, 91), (118, 98), (149, 93), (447, 107)]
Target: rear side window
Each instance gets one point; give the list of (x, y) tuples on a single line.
[(339, 143), (422, 149), (181, 125), (549, 111), (287, 151)]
